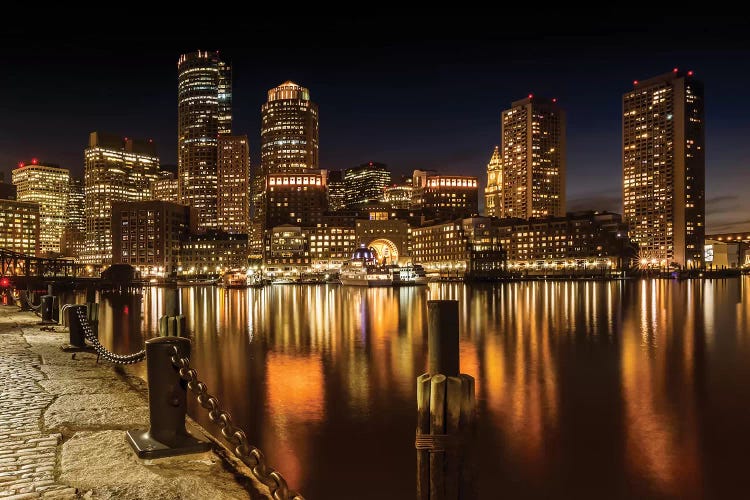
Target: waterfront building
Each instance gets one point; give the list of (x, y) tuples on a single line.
[(365, 183), (73, 239), (460, 248), (204, 113), (8, 190), (388, 238), (234, 184), (664, 171), (164, 187), (47, 185), (117, 169), (212, 253), (147, 235), (287, 252), (493, 200), (533, 153), (736, 243), (19, 226), (444, 197), (336, 189), (330, 246)]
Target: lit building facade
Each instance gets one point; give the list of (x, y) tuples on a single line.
[(287, 251), (365, 183), (234, 184), (336, 189), (19, 226), (47, 185), (74, 236), (147, 235), (493, 200), (399, 196), (586, 242), (664, 171), (445, 196), (388, 238), (116, 169), (464, 248), (298, 200), (727, 244), (204, 112), (533, 160), (212, 253), (165, 188), (330, 247)]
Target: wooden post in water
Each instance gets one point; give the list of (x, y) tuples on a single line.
[(445, 412)]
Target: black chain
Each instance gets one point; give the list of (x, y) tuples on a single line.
[(249, 454), (120, 359)]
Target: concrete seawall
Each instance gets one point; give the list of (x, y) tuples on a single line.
[(63, 422)]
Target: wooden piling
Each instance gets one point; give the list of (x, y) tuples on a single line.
[(423, 428), (437, 427), (442, 337)]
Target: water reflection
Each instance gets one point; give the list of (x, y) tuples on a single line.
[(585, 389)]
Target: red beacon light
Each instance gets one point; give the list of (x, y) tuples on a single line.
[(675, 70), (635, 82), (554, 99), (690, 73), (34, 161), (531, 96), (21, 164)]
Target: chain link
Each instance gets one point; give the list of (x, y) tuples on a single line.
[(120, 359), (249, 454)]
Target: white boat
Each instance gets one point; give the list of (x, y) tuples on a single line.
[(411, 274), (363, 270), (234, 279)]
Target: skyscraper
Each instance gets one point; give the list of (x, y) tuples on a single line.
[(75, 230), (204, 112), (533, 159), (493, 200), (234, 185), (47, 185), (365, 183), (664, 171), (165, 188), (289, 145), (117, 169)]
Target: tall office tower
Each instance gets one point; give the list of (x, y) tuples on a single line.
[(47, 185), (116, 169), (234, 184), (492, 193), (365, 183), (289, 131), (204, 112), (75, 230), (664, 169), (533, 159), (289, 145), (336, 190)]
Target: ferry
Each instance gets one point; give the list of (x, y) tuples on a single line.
[(234, 279)]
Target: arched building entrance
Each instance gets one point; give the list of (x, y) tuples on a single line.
[(384, 250)]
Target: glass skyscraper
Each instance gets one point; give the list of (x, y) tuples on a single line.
[(204, 112)]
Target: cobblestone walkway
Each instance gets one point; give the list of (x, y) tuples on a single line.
[(28, 455), (62, 423)]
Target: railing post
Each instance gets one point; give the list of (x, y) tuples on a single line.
[(77, 339), (445, 412), (167, 404)]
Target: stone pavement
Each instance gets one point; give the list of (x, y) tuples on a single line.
[(62, 424)]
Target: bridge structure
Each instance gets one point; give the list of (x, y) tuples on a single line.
[(20, 270)]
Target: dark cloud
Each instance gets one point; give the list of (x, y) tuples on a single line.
[(601, 200), (739, 226)]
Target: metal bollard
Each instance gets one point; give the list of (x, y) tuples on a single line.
[(167, 404), (48, 305), (172, 326), (77, 339)]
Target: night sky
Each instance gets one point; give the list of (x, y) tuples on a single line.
[(410, 91)]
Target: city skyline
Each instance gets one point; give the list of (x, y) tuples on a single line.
[(381, 105)]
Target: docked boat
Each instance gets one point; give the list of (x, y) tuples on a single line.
[(234, 279), (363, 270), (411, 274)]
